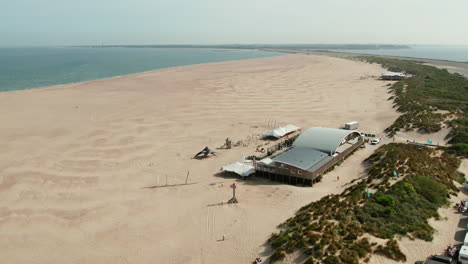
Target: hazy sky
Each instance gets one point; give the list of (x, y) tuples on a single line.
[(91, 22)]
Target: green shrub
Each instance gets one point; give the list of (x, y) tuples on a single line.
[(279, 240), (385, 200), (348, 256), (459, 149), (331, 260), (434, 192), (395, 208), (309, 260), (278, 255), (362, 248), (392, 251)]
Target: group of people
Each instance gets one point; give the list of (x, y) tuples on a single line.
[(452, 251), (462, 207), (257, 260)]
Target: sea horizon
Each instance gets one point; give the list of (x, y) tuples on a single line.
[(40, 67)]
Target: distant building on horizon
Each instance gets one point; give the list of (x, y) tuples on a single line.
[(393, 76)]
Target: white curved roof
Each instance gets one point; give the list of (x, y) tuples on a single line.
[(323, 139)]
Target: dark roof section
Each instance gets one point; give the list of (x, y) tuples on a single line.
[(303, 158), (320, 163)]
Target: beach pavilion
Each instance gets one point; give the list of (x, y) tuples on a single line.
[(316, 150)]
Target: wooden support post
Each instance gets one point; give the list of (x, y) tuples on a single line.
[(186, 179)]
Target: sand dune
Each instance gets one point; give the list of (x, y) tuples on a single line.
[(76, 159)]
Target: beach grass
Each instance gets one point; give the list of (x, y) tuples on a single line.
[(335, 229)]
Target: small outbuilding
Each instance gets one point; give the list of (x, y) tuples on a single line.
[(393, 76), (352, 125)]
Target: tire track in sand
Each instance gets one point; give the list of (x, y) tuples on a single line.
[(210, 222)]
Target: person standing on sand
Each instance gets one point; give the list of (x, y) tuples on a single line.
[(337, 178)]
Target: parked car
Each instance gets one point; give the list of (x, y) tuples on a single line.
[(439, 259), (436, 259), (375, 141)]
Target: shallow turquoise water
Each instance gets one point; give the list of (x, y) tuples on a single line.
[(23, 68)]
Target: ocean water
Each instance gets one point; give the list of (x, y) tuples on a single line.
[(435, 52), (24, 68)]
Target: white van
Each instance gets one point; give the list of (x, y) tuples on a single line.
[(463, 254)]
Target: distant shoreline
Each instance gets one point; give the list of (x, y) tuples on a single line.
[(60, 85), (83, 65), (451, 66), (294, 49), (261, 46)]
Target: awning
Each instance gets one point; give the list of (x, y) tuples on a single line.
[(281, 131), (240, 169), (266, 161)]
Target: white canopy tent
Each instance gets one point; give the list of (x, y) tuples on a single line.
[(241, 169), (281, 131), (391, 74)]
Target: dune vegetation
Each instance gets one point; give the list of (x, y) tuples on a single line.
[(419, 97), (340, 228)]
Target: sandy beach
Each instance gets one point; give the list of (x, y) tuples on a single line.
[(78, 159)]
